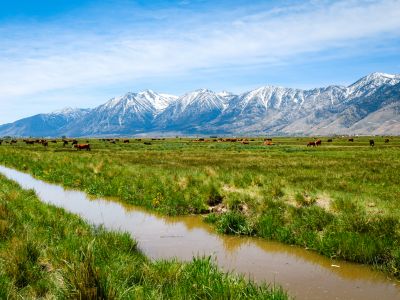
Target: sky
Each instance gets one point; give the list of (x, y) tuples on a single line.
[(70, 53)]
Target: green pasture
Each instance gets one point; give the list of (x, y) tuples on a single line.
[(341, 199)]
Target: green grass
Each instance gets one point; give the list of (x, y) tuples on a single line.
[(341, 199), (48, 253)]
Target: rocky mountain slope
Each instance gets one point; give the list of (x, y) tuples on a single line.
[(369, 106)]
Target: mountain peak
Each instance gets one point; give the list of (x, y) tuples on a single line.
[(372, 82), (380, 75), (268, 109), (66, 110)]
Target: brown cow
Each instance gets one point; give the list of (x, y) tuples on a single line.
[(386, 141), (126, 141), (313, 144), (351, 140), (318, 142), (82, 146), (268, 143), (45, 143)]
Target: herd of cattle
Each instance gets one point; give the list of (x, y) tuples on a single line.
[(86, 146)]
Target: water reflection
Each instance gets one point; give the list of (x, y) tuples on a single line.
[(304, 274)]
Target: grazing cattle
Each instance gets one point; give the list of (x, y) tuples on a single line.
[(386, 141), (45, 143), (65, 142), (126, 141), (13, 142), (371, 143), (330, 141), (245, 142), (318, 142), (313, 144), (28, 142), (1, 141), (351, 140), (138, 140), (147, 143), (82, 146), (112, 142), (268, 139), (268, 143), (74, 142)]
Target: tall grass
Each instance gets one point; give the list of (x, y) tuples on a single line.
[(48, 253), (341, 199)]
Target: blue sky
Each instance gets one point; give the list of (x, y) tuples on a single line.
[(59, 53)]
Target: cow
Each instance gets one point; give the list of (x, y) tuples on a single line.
[(82, 146), (313, 144), (54, 141), (386, 141), (245, 142), (45, 143), (268, 143), (318, 142), (1, 141), (112, 142), (74, 142), (329, 140), (147, 143), (351, 140), (126, 141), (28, 142), (371, 143), (65, 142), (268, 139), (13, 142)]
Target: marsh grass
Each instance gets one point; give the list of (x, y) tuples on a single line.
[(47, 253), (341, 199)]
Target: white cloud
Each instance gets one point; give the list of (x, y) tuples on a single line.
[(46, 57)]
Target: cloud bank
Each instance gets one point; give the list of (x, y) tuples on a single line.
[(89, 49)]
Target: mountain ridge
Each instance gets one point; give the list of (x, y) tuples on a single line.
[(268, 109)]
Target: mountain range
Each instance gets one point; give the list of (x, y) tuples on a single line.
[(370, 106)]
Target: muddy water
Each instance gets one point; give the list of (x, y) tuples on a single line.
[(304, 274)]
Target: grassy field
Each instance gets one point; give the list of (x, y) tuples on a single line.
[(341, 199), (48, 253)]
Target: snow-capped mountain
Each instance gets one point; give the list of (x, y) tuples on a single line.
[(371, 105), (132, 112), (191, 110), (52, 124)]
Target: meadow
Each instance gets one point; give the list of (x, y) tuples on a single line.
[(341, 199), (47, 253)]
